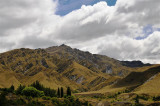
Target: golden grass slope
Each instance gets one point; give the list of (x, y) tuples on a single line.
[(94, 62), (63, 66), (143, 82), (25, 66), (151, 86)]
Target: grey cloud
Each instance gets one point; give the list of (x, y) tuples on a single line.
[(147, 50), (100, 29), (36, 42)]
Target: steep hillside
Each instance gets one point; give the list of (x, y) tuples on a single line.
[(143, 82), (94, 62), (25, 66), (151, 86), (63, 66), (137, 78)]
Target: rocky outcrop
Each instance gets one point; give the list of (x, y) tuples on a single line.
[(44, 63), (96, 63), (79, 80), (109, 70)]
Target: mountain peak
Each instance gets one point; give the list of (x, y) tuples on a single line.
[(66, 46), (63, 45)]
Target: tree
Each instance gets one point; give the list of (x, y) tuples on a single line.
[(47, 91), (11, 89), (68, 91), (19, 89), (37, 85), (33, 92), (3, 100), (61, 92), (58, 92), (137, 99)]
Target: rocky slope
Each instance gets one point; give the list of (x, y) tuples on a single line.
[(96, 63), (61, 66), (24, 66)]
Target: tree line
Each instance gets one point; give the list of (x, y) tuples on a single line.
[(59, 97), (37, 90)]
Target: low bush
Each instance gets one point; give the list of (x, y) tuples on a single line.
[(33, 92), (35, 103), (156, 98), (46, 98)]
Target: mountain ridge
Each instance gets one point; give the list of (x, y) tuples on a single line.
[(62, 66)]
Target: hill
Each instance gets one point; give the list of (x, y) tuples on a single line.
[(63, 66), (142, 82), (96, 63), (93, 75), (53, 69)]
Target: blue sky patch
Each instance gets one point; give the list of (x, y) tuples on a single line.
[(147, 30), (67, 6)]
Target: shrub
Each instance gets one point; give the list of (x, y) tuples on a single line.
[(144, 97), (70, 98), (17, 102), (46, 98), (35, 103), (156, 98), (33, 92), (137, 99), (55, 101)]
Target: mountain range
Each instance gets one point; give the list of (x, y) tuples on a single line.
[(63, 66)]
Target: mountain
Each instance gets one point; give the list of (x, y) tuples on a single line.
[(96, 63), (63, 66), (55, 66), (134, 63), (144, 81)]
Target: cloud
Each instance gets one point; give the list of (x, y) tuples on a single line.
[(66, 6), (125, 48), (26, 21), (108, 30)]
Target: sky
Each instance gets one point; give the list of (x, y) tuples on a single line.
[(119, 29), (66, 6)]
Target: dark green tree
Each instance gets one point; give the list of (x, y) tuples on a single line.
[(11, 89), (47, 91), (137, 99), (62, 92), (68, 91), (3, 100), (37, 85), (58, 93), (19, 89)]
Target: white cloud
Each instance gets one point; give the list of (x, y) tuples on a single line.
[(99, 28)]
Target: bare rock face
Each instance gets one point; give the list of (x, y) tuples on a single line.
[(72, 77), (63, 64), (79, 80), (109, 70), (44, 63), (96, 63)]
